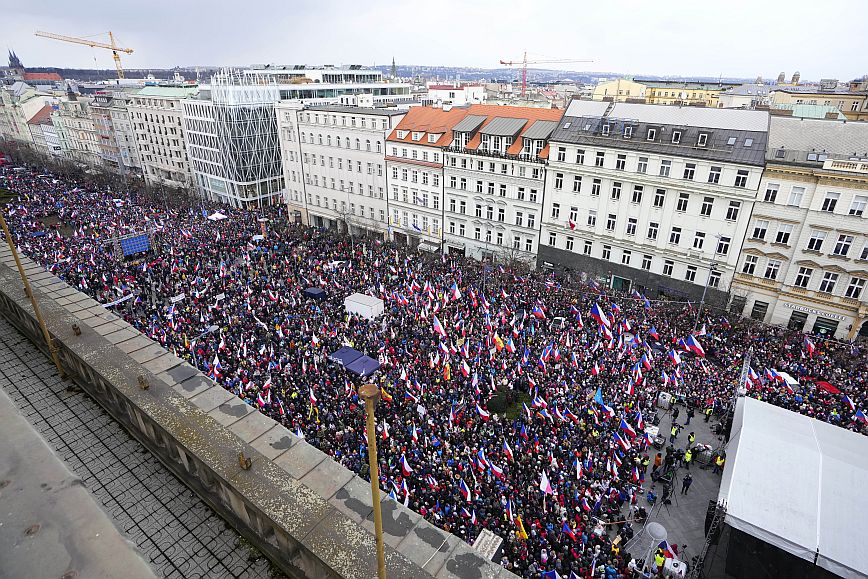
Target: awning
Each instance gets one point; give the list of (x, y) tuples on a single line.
[(363, 366), (217, 216)]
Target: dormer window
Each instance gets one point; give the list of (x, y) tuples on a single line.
[(652, 134), (702, 140), (416, 136), (780, 154), (605, 130), (748, 142), (434, 137), (676, 137), (402, 134), (628, 132), (730, 141)]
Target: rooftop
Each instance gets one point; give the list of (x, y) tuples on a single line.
[(168, 91), (52, 76), (801, 137), (42, 116), (429, 120), (385, 112)]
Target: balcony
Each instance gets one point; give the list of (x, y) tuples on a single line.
[(494, 155), (848, 166)]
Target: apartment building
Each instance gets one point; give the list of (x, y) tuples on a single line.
[(157, 117), (851, 100), (231, 133), (117, 139), (652, 197), (80, 138), (334, 164), (43, 134), (494, 181), (805, 259), (414, 172), (19, 102)]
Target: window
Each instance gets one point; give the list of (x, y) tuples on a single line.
[(461, 229), (625, 256), (732, 210), (707, 205), (653, 229), (796, 194), (690, 274), (675, 235), (589, 247), (714, 175), (532, 196), (478, 210), (531, 219), (698, 240), (553, 239), (854, 290), (803, 278), (646, 262), (574, 214), (683, 199), (610, 222), (595, 187), (601, 157), (676, 137), (731, 141), (631, 226), (621, 162), (501, 214), (659, 197), (760, 227), (702, 141), (569, 244), (477, 233), (815, 243), (577, 184), (628, 132), (842, 248), (637, 193), (556, 210), (607, 252), (668, 266), (771, 192), (489, 212), (606, 129), (499, 238), (665, 168), (592, 218), (749, 266), (783, 234), (453, 182), (519, 194), (616, 190), (559, 180), (580, 157), (741, 178), (562, 154), (827, 284), (858, 205), (772, 268), (642, 167), (519, 218), (864, 255), (830, 202), (689, 171), (502, 190), (652, 134), (723, 245)]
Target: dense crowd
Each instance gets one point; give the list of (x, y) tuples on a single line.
[(576, 368)]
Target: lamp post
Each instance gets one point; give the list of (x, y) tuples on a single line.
[(370, 393)]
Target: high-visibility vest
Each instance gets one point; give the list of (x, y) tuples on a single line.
[(674, 430), (688, 456), (659, 560), (719, 460)]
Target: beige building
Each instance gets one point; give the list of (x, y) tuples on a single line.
[(852, 103), (79, 129), (619, 90), (664, 92), (805, 258), (157, 117), (18, 104), (117, 140)]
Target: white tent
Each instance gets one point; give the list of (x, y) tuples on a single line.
[(796, 483), (216, 216)]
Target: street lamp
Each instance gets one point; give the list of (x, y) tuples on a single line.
[(370, 393)]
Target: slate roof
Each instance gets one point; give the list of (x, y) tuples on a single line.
[(799, 137)]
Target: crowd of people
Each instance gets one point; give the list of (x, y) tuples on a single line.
[(518, 408)]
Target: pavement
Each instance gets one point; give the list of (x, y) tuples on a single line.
[(684, 519), (140, 520)]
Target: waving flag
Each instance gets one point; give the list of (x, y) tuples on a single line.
[(438, 327), (578, 466), (507, 451), (849, 403), (484, 414), (625, 426), (622, 442), (585, 506), (405, 466), (653, 333), (860, 417), (464, 490), (640, 423), (598, 315), (496, 471), (810, 348), (455, 292), (465, 369), (673, 355), (568, 531), (538, 312), (544, 485), (694, 346), (510, 346)]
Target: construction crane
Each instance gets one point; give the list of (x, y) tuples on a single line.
[(524, 62), (112, 46)]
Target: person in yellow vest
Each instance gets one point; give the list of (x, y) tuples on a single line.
[(708, 412), (719, 461), (691, 438), (659, 559), (688, 458)]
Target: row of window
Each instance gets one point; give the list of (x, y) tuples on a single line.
[(491, 188), (496, 237), (345, 120), (324, 203), (829, 204), (663, 170), (342, 142), (682, 204), (492, 167), (414, 154), (815, 242), (416, 197), (338, 162), (828, 281), (414, 175), (417, 222), (341, 185), (626, 258)]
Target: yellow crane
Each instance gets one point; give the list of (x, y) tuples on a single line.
[(112, 46)]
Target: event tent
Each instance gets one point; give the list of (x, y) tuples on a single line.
[(796, 483), (216, 216)]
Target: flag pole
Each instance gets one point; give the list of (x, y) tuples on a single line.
[(52, 348), (370, 393)]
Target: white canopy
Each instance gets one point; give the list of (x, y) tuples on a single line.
[(216, 216), (797, 483)]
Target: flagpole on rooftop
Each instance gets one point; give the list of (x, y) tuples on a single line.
[(370, 393), (52, 349)]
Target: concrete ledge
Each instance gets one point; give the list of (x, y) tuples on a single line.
[(309, 515)]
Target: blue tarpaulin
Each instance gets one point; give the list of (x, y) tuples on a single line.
[(363, 366), (345, 356)]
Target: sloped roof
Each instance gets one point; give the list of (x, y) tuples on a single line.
[(53, 76), (42, 116), (428, 120), (834, 137), (739, 120)]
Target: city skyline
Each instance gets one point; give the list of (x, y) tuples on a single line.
[(547, 31)]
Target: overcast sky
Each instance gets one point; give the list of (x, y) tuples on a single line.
[(665, 37)]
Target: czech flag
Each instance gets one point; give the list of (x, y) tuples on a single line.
[(464, 490), (438, 327), (860, 416), (507, 451), (585, 506), (621, 442), (653, 333), (568, 531), (510, 346), (455, 292), (598, 315), (849, 403), (625, 426), (673, 355), (810, 348), (694, 346), (667, 550), (544, 485), (465, 369), (496, 471), (484, 414), (405, 466)]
